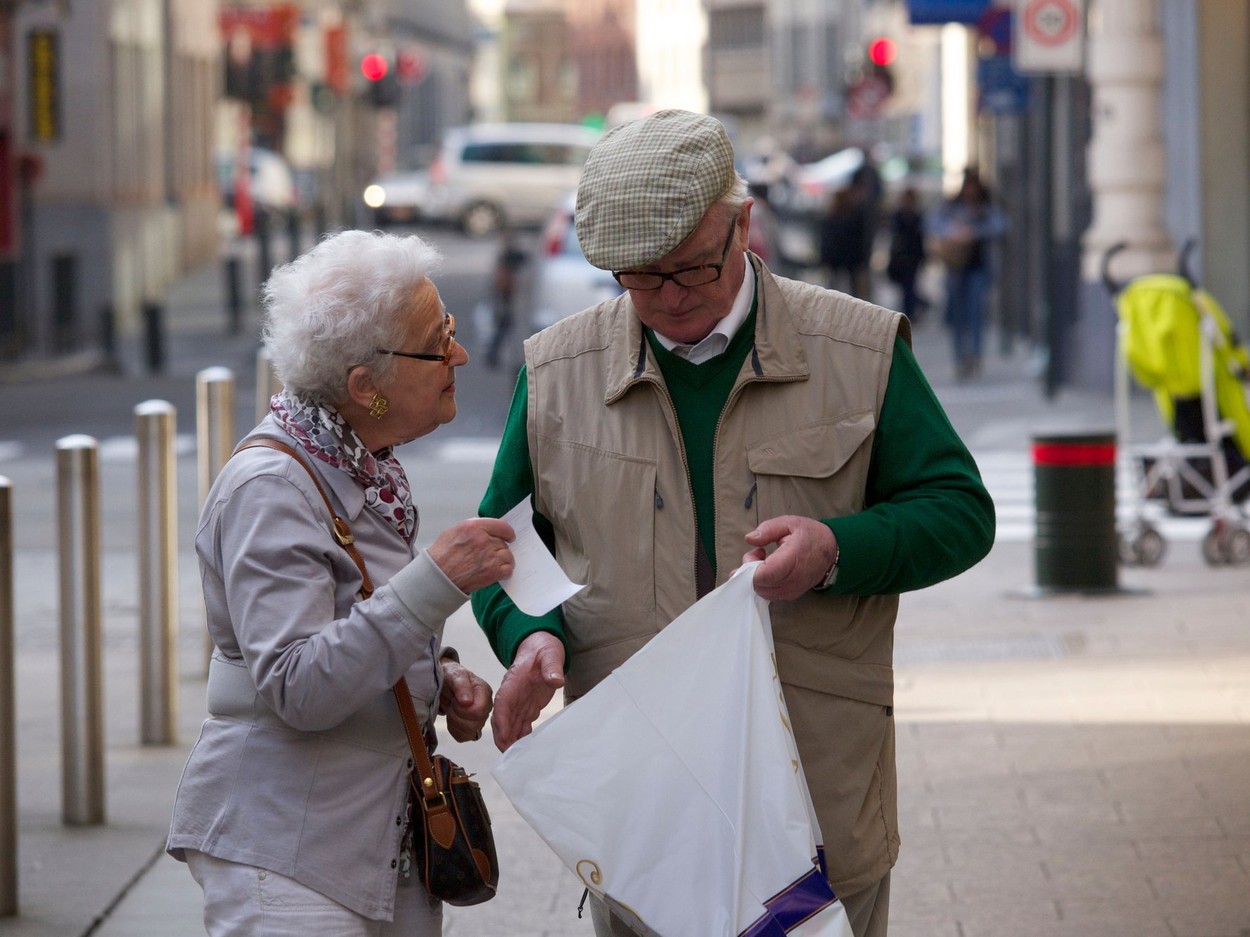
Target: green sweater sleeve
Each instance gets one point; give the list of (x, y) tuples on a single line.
[(512, 481), (927, 515)]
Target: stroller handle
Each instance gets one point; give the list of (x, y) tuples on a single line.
[(1104, 268), (1182, 261), (1114, 286)]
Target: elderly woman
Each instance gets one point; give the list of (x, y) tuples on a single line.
[(292, 811)]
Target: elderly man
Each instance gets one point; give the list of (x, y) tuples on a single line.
[(716, 412)]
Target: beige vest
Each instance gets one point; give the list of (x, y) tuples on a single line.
[(795, 438)]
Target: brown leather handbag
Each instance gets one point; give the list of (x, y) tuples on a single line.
[(452, 841)]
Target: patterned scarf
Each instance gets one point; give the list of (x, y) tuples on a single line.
[(325, 435)]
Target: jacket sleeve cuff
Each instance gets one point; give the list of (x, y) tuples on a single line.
[(425, 593)]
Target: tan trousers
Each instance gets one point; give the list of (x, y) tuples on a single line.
[(867, 910)]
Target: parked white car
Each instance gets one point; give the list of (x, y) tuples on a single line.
[(271, 183), (489, 175), (564, 281), (398, 196)]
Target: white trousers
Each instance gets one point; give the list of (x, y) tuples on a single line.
[(244, 901)]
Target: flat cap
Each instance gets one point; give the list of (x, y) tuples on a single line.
[(647, 184)]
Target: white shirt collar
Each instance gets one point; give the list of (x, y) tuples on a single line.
[(716, 341)]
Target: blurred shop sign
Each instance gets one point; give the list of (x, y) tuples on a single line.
[(43, 57), (1049, 36), (1001, 89), (922, 12)]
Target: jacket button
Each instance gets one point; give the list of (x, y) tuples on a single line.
[(394, 863), (399, 821), (409, 762)]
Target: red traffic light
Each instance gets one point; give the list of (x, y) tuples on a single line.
[(882, 50), (374, 66)]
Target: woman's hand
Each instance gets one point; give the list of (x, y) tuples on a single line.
[(474, 553), (465, 701)]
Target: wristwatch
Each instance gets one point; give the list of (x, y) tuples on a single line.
[(832, 576)]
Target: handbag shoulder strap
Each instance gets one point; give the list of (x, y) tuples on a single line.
[(342, 531), (430, 789)]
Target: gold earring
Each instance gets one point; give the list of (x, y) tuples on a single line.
[(378, 406)]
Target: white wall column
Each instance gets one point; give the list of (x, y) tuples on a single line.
[(1126, 152)]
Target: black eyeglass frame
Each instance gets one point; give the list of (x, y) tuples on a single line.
[(445, 358), (675, 274)]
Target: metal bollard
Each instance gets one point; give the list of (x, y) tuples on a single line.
[(267, 383), (264, 253), (214, 433), (108, 333), (231, 269), (82, 723), (1075, 548), (158, 573), (293, 231), (154, 332), (214, 423), (8, 712)]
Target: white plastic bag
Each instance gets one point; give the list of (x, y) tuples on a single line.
[(674, 789)]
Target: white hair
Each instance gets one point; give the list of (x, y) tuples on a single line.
[(334, 306), (736, 195)]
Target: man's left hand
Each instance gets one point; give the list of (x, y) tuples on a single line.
[(805, 551), (465, 700)]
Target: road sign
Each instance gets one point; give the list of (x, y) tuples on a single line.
[(1049, 36), (865, 100)]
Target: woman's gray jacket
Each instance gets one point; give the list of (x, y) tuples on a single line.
[(301, 765)]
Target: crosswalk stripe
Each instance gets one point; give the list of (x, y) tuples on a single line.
[(1009, 478)]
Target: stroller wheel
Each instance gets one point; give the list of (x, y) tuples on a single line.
[(1126, 550), (1213, 548), (1149, 547), (1237, 546), (1141, 545)]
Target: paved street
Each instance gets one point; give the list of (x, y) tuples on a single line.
[(1070, 766)]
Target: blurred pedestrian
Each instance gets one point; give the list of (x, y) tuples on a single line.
[(843, 253), (508, 263), (965, 228), (907, 252), (868, 194), (765, 237), (293, 809)]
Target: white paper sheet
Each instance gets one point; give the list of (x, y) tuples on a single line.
[(537, 584)]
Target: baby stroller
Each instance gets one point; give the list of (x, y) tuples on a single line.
[(1177, 342)]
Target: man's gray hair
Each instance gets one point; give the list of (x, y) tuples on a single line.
[(335, 305)]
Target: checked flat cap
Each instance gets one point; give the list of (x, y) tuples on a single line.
[(647, 185)]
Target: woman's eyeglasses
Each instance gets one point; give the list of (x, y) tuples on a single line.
[(449, 345)]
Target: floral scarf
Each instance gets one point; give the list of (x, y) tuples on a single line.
[(323, 433)]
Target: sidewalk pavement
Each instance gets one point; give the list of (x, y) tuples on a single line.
[(1070, 766)]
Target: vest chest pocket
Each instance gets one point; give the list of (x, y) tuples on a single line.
[(602, 506), (818, 470)]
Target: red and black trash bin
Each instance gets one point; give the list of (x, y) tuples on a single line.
[(1075, 546)]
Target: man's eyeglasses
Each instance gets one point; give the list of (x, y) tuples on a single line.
[(686, 276), (449, 345)]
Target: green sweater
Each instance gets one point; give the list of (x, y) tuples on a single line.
[(923, 485)]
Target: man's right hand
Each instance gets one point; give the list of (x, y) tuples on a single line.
[(536, 673)]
